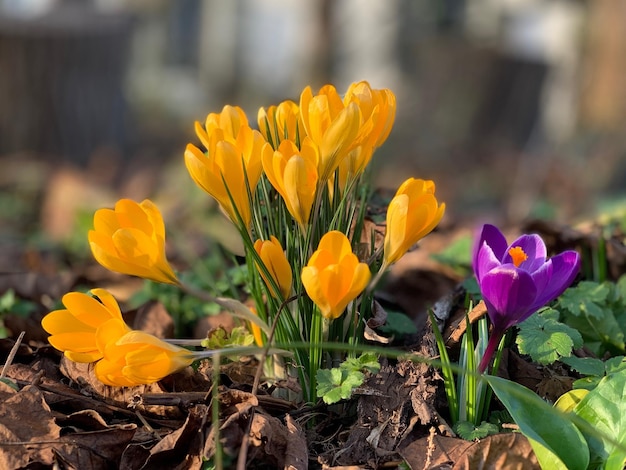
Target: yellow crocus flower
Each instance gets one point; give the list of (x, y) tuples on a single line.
[(135, 358), (73, 329), (130, 239), (293, 173), (274, 259), (282, 122), (230, 121), (333, 276), (331, 125), (412, 213), (224, 167), (378, 111)]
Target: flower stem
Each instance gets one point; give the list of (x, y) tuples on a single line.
[(492, 345)]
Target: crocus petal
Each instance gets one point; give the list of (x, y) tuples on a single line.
[(110, 373), (555, 276), (494, 238), (77, 342), (282, 122), (108, 334), (395, 235), (86, 310), (149, 365), (485, 261), (509, 294), (274, 259), (311, 282), (74, 329), (534, 248), (338, 140), (336, 243)]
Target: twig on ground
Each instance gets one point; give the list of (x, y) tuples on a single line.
[(12, 354)]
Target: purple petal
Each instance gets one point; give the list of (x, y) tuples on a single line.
[(494, 239), (485, 262), (555, 276), (535, 249), (509, 294)]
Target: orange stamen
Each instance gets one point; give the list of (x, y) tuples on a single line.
[(518, 255)]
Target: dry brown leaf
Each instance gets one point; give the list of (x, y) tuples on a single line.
[(94, 449), (180, 449), (93, 444), (6, 392), (510, 451), (27, 430), (296, 454), (88, 420), (434, 451), (269, 439), (456, 327), (204, 325), (153, 318)]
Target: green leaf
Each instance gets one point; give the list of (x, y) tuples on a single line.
[(469, 432), (10, 383), (545, 339), (615, 364), (337, 384), (470, 284), (585, 365), (546, 458), (365, 362), (7, 300), (604, 408), (398, 324), (620, 287), (10, 303), (600, 335), (594, 368), (458, 254), (220, 339), (586, 297), (500, 417), (541, 423)]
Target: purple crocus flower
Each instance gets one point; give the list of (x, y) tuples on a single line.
[(516, 280)]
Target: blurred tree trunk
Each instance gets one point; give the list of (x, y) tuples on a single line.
[(604, 90)]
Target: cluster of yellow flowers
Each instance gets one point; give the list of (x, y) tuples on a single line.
[(305, 160)]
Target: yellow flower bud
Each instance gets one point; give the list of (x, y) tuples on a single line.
[(333, 276), (130, 239), (293, 173), (331, 125), (274, 259), (256, 330), (232, 164), (378, 111), (282, 122), (134, 357), (412, 214)]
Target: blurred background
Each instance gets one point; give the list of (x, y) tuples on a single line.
[(516, 108)]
